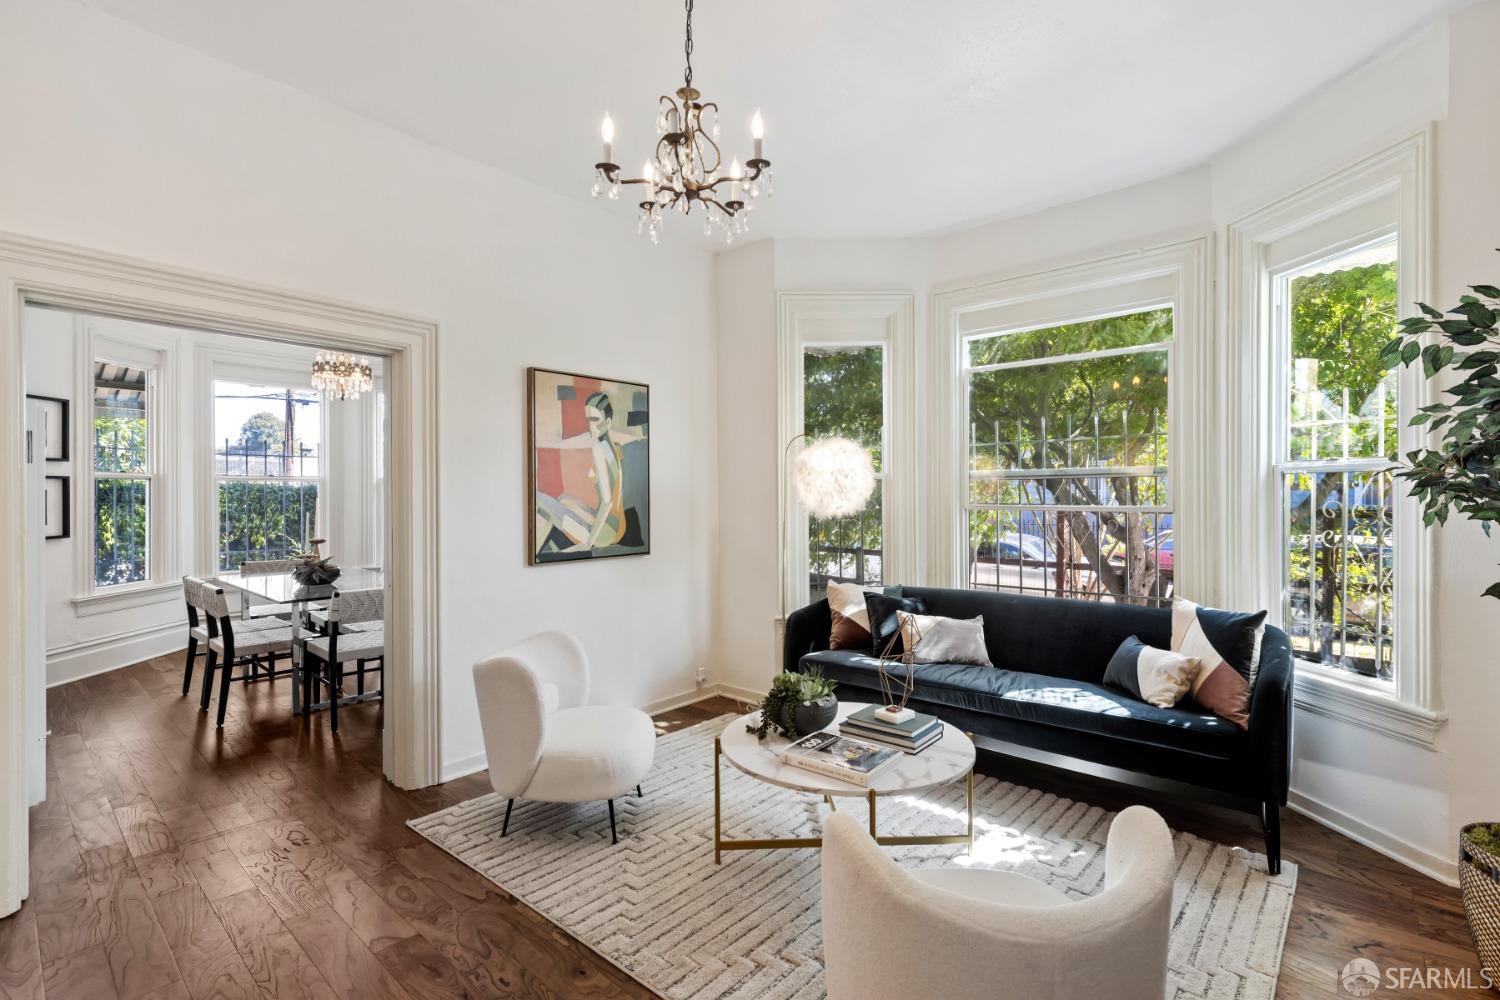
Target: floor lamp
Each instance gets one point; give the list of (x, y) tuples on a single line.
[(833, 476)]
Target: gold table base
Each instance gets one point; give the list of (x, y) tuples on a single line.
[(788, 843)]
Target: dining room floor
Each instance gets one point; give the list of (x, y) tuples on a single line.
[(270, 859)]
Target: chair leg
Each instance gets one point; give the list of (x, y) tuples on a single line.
[(360, 665), (612, 838), (187, 670), (210, 662), (506, 824), (1270, 817), (638, 791), (335, 681), (228, 670), (309, 688)]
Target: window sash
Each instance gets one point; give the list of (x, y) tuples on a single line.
[(1074, 577), (147, 474)]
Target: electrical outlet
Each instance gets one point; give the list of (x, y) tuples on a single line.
[(702, 676)]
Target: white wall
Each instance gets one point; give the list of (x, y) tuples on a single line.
[(124, 142), (1402, 799)]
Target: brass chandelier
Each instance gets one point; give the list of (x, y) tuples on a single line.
[(687, 167)]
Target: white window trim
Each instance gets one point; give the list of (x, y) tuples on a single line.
[(1177, 274), (897, 311), (158, 351), (250, 366), (1250, 384)]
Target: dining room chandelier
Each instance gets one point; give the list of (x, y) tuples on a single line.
[(687, 167), (341, 376)]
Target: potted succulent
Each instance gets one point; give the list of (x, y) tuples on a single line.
[(796, 705), (1462, 474), (312, 569)]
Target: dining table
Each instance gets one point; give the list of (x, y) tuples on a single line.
[(284, 589)]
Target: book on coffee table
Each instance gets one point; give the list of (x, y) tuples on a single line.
[(855, 761), (916, 733)]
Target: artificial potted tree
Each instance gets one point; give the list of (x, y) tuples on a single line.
[(1462, 474)]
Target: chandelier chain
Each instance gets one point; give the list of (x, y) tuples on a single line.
[(687, 46)]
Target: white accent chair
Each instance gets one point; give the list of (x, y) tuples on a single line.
[(543, 740), (890, 933)]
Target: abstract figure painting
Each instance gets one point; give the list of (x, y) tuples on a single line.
[(590, 467)]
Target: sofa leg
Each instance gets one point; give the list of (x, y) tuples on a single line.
[(612, 838), (638, 791), (1270, 818), (506, 825)]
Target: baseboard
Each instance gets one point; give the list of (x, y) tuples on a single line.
[(463, 767), (1443, 869), (77, 660)]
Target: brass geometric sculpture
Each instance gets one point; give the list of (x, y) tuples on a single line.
[(897, 684)]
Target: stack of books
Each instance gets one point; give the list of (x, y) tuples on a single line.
[(912, 736), (855, 761)]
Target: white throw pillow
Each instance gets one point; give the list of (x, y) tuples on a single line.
[(934, 639)]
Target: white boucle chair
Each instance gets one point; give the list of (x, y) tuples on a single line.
[(543, 741), (890, 933)]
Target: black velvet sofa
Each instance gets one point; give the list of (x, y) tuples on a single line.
[(1044, 698)]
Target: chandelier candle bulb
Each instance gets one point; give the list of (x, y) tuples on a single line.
[(607, 133), (758, 133)]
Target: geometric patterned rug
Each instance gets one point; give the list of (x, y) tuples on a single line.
[(659, 908)]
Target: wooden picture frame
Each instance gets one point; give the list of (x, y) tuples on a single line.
[(58, 432), (570, 446), (57, 507)]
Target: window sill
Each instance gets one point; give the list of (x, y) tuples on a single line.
[(133, 595), (1377, 708)]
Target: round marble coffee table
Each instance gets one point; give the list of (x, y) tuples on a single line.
[(947, 760)]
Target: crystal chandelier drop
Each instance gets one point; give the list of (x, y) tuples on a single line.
[(341, 376), (687, 167)]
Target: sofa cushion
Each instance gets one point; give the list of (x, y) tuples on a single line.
[(1062, 638), (1050, 701)]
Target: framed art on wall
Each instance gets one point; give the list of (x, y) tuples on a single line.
[(588, 467), (56, 508), (55, 427)]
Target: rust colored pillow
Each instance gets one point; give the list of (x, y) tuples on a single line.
[(851, 621), (848, 633)]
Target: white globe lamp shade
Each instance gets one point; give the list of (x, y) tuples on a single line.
[(834, 477)]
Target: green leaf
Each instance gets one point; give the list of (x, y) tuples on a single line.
[(1410, 351), (1493, 590), (1489, 291), (1429, 310), (1420, 419)]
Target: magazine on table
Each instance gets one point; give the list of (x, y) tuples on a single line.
[(856, 761)]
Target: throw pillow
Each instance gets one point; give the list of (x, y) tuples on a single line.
[(884, 625), (851, 620), (1158, 677), (1227, 646), (933, 639)]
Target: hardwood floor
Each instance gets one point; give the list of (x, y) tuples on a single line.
[(171, 860)]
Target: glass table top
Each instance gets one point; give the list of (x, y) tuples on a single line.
[(280, 588)]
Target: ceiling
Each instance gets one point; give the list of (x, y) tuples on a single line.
[(889, 118)]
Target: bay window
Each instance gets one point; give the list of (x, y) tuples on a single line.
[(1068, 487)]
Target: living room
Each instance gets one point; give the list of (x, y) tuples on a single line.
[(1102, 296)]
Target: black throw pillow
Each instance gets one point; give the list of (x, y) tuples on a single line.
[(884, 625)]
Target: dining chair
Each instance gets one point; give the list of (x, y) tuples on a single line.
[(355, 632), (194, 596), (231, 645), (265, 567)]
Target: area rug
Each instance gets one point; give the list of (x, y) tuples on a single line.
[(659, 908)]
